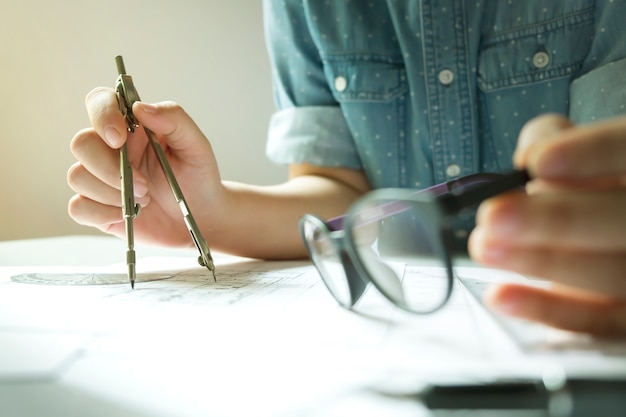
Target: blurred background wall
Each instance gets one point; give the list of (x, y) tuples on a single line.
[(208, 55)]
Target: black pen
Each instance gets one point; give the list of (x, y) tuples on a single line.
[(574, 398)]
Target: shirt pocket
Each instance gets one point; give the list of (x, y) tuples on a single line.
[(372, 94), (362, 79), (525, 72), (537, 52)]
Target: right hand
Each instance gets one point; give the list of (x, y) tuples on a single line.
[(568, 229), (96, 176)]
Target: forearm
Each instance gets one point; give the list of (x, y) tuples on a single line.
[(262, 221)]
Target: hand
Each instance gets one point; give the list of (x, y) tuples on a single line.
[(96, 176), (570, 228)]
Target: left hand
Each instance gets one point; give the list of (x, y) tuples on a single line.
[(570, 228)]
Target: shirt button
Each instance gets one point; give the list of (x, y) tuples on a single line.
[(453, 170), (341, 83), (541, 59), (446, 77)]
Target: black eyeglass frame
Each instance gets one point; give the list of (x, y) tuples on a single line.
[(438, 204), (357, 284)]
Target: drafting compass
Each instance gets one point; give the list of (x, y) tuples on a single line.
[(126, 96)]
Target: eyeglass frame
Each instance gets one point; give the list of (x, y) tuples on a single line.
[(447, 199)]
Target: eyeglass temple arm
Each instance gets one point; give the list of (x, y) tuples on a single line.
[(455, 185), (474, 195), (458, 184)]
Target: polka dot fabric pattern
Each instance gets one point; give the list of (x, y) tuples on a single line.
[(418, 92)]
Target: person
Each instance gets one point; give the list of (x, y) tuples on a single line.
[(408, 94)]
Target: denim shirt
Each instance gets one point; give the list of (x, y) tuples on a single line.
[(416, 92)]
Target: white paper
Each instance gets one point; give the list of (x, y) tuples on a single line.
[(266, 339)]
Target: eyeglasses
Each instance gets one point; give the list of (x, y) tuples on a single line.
[(399, 240)]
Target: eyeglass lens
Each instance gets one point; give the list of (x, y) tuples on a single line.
[(403, 252), (326, 258)]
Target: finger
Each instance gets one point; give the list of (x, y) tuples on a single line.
[(588, 220), (597, 316), (585, 151), (86, 184), (536, 131), (105, 116), (91, 213), (102, 161), (542, 186), (169, 121), (599, 272)]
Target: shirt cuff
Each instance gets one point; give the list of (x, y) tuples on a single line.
[(313, 135), (599, 94)]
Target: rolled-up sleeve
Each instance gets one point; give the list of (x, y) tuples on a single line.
[(599, 94), (599, 91), (315, 135), (308, 126)]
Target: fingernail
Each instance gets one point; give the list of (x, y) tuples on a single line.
[(493, 253), (148, 108), (505, 221), (552, 165), (112, 136), (503, 304), (143, 201), (487, 251), (140, 188)]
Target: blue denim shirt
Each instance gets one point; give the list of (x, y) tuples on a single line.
[(417, 92)]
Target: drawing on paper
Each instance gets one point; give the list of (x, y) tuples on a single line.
[(246, 282), (85, 279)]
